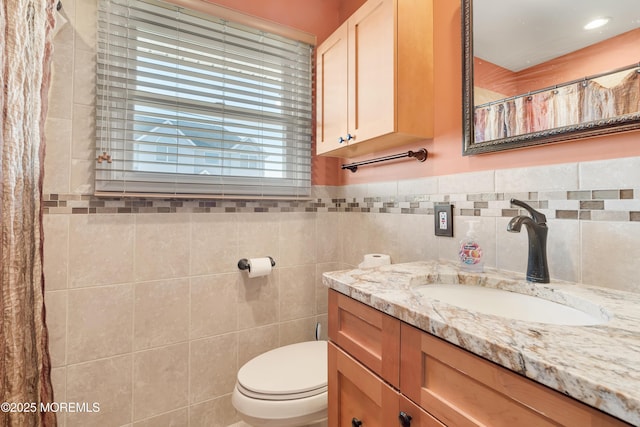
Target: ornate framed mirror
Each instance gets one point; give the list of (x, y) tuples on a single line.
[(536, 72)]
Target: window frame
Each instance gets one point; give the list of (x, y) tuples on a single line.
[(287, 187)]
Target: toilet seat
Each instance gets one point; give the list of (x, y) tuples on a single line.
[(285, 387), (291, 372)]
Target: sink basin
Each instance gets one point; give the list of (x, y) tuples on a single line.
[(512, 305)]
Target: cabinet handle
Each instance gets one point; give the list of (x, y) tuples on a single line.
[(341, 140), (350, 137), (405, 419), (356, 422)]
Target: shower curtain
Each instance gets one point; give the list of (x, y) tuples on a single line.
[(25, 53)]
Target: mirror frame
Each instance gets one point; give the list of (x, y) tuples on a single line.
[(470, 147)]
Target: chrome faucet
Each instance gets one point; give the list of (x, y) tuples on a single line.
[(537, 267)]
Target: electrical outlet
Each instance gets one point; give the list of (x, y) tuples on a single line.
[(443, 220)]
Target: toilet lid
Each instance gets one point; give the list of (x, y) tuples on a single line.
[(297, 369)]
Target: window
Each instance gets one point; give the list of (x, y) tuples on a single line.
[(192, 104)]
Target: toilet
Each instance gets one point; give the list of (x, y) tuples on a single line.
[(284, 387)]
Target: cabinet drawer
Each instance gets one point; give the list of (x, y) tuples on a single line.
[(356, 393), (462, 389), (370, 336)]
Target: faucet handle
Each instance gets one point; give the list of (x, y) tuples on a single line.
[(538, 217)]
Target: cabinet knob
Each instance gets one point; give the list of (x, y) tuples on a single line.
[(350, 137), (341, 140), (405, 419), (356, 422)]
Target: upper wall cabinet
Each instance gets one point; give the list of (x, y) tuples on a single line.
[(375, 79)]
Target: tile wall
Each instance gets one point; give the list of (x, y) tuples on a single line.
[(148, 314), (147, 311)]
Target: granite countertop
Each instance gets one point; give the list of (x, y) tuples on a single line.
[(598, 365)]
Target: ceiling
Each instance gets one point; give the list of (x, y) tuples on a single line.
[(517, 34)]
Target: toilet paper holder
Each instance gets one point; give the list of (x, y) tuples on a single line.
[(243, 264)]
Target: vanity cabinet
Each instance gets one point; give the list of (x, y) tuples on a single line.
[(375, 79), (439, 384), (364, 369)]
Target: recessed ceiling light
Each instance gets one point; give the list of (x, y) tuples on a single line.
[(596, 23)]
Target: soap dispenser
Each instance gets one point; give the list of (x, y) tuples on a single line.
[(470, 253)]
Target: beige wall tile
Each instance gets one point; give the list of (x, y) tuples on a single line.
[(354, 237), (258, 235), (512, 248), (382, 231), (383, 189), (214, 304), (84, 76), (416, 240), (82, 176), (56, 162), (473, 182), (214, 243), (161, 313), (106, 382), (160, 380), (609, 251), (610, 174), (258, 300), (322, 302), (66, 33), (420, 186), (56, 312), (299, 330), (324, 192), (542, 178), (84, 132), (353, 191), (86, 23), (56, 251), (297, 237), (564, 258), (59, 384), (100, 322), (327, 241), (213, 413), (162, 246), (255, 341), (213, 367), (297, 292), (100, 249), (60, 100), (179, 418)]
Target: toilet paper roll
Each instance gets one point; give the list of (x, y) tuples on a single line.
[(375, 260), (259, 267)]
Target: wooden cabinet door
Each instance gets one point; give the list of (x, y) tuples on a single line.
[(464, 390), (358, 395), (372, 64), (369, 335), (331, 93)]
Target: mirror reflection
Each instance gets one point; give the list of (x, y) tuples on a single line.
[(545, 71)]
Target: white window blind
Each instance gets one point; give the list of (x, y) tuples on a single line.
[(191, 104)]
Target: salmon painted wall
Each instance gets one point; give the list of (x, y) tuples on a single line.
[(445, 149)]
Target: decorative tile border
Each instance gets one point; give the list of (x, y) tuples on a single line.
[(595, 205)]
